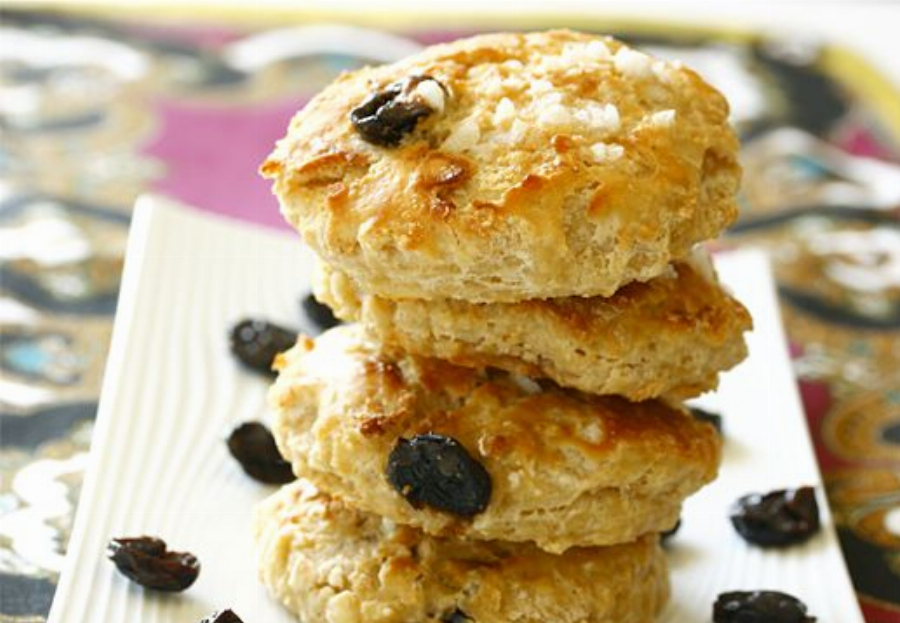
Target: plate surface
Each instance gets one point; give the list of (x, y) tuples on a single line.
[(159, 464)]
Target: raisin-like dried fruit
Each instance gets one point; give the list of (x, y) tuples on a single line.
[(222, 616), (668, 534), (708, 416), (392, 113), (253, 445), (321, 316), (256, 343), (437, 471), (759, 607), (778, 518), (146, 560), (457, 616)]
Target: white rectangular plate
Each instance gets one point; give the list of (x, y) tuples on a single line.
[(159, 465)]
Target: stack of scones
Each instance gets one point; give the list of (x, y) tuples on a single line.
[(511, 222)]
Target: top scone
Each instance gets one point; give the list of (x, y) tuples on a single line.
[(508, 167)]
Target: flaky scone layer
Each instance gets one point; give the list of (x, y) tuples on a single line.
[(331, 564), (567, 468), (670, 336)]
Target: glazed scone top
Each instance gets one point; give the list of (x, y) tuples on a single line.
[(552, 164)]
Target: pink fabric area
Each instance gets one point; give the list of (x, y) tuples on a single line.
[(212, 154)]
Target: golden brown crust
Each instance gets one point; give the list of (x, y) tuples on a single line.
[(568, 469), (560, 164), (331, 564), (670, 336)]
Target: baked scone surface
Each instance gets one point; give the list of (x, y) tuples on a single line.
[(331, 564), (670, 336), (542, 165), (566, 468)]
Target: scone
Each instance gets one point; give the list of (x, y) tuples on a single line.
[(670, 336), (329, 563), (508, 167), (483, 454)]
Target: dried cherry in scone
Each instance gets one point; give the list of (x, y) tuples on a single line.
[(256, 343), (759, 607), (147, 561), (457, 616), (778, 518), (387, 116), (436, 471), (222, 616), (253, 446), (321, 316)]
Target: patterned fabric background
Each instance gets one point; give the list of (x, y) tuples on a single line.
[(94, 112)]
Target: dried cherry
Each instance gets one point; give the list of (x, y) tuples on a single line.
[(222, 616), (146, 560), (778, 518), (321, 316), (759, 607), (254, 447), (387, 116), (256, 343), (437, 471)]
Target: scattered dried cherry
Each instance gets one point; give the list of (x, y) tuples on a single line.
[(390, 114), (253, 445), (146, 560), (777, 518), (708, 416), (256, 343), (759, 607), (437, 471), (222, 616), (321, 316)]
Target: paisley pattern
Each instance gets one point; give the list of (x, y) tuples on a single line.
[(94, 112)]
